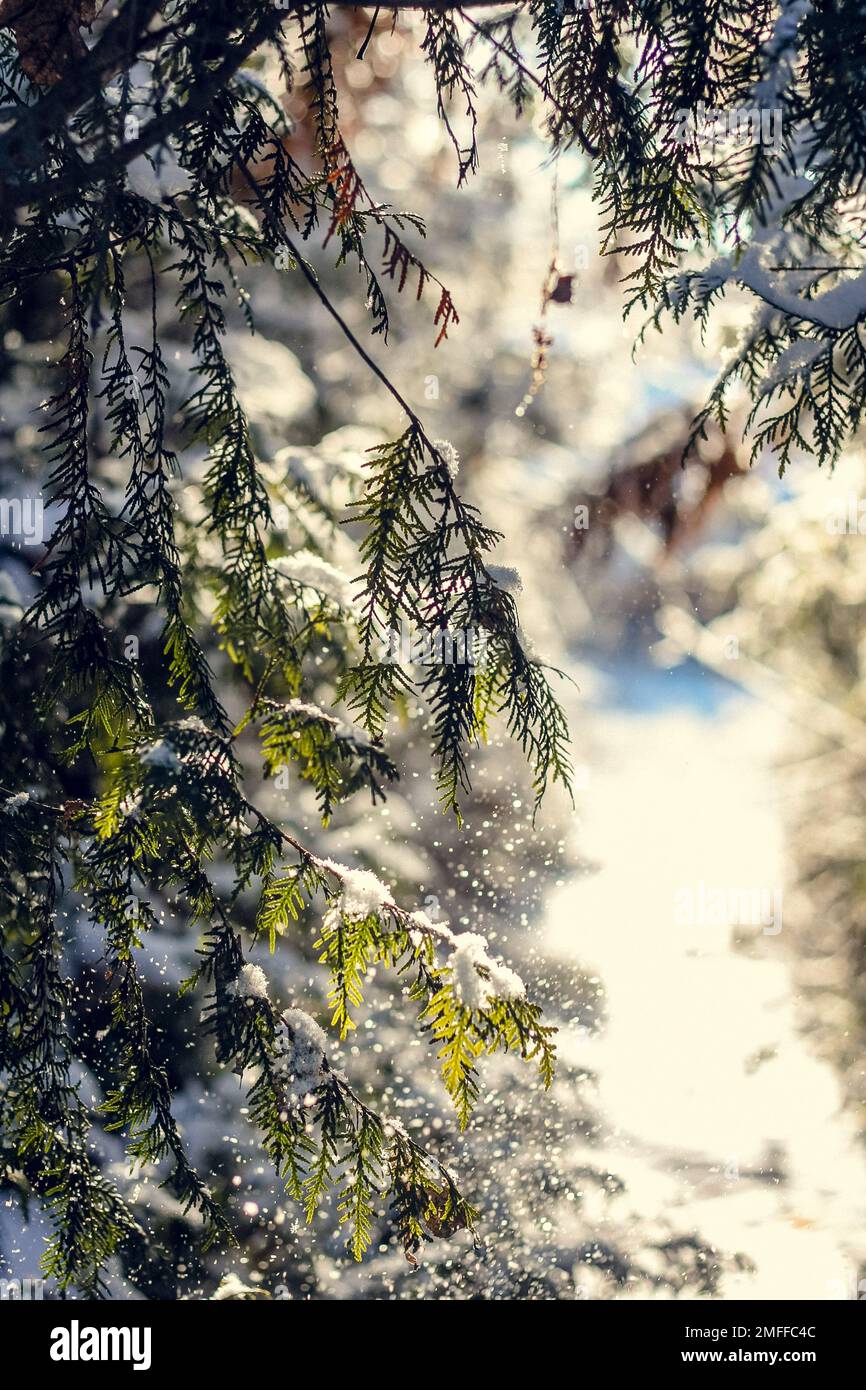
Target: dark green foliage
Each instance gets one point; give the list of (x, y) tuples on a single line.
[(424, 552), (333, 759)]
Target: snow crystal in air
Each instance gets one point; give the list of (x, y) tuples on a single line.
[(470, 954)]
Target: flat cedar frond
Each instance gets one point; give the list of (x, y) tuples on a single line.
[(445, 316), (319, 72), (346, 185), (352, 207), (443, 48), (335, 761), (424, 555)]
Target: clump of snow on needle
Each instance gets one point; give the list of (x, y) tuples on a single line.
[(476, 991), (311, 571), (303, 1055), (232, 1286), (193, 725), (161, 755), (362, 894), (506, 578), (251, 983), (394, 1126), (425, 926), (304, 707), (449, 456)]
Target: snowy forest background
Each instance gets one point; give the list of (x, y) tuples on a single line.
[(694, 928)]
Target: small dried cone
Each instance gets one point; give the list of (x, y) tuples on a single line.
[(563, 290), (47, 34)]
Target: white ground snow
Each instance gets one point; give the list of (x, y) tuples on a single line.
[(704, 1077)]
